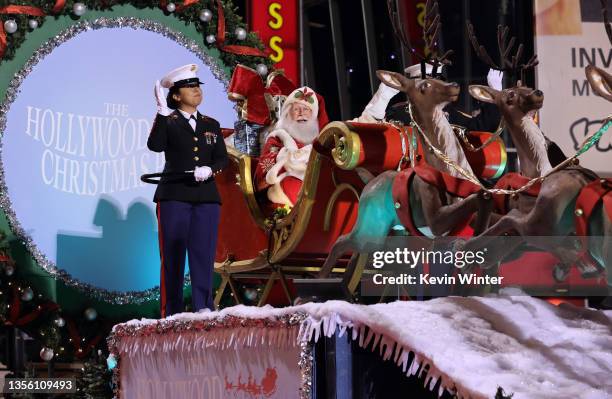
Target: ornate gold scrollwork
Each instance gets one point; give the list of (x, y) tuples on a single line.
[(346, 144)]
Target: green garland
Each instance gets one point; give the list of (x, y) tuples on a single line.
[(189, 15), (94, 379), (44, 327)]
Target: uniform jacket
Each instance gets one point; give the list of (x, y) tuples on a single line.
[(185, 149)]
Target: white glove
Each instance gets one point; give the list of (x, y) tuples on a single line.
[(495, 78), (162, 107), (378, 104), (202, 173)]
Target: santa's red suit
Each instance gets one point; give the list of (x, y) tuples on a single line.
[(285, 155)]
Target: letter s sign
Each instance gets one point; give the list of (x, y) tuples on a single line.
[(278, 51), (277, 22)]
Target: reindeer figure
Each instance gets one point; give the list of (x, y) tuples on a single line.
[(430, 205), (600, 80), (598, 224), (549, 212)]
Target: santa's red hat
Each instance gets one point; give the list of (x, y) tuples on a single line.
[(307, 97)]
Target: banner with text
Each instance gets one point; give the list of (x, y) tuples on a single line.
[(570, 35)]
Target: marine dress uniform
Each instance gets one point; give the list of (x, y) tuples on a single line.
[(187, 210)]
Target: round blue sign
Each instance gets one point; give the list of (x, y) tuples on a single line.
[(74, 149)]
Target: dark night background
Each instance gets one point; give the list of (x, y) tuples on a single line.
[(320, 17)]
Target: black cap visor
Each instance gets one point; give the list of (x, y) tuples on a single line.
[(192, 82)]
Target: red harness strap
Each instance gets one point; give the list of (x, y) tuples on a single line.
[(598, 191), (590, 196), (513, 181), (607, 204), (452, 185), (401, 198)]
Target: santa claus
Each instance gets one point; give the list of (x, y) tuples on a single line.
[(285, 155)]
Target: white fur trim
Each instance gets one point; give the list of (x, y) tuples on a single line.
[(295, 162), (273, 176), (285, 137)]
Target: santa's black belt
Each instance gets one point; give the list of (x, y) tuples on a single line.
[(169, 177)]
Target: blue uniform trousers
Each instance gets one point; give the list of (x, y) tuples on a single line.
[(186, 228)]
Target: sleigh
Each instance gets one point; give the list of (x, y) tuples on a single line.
[(254, 243)]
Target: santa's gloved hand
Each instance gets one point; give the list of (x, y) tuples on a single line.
[(495, 79), (202, 173), (162, 106), (378, 104)]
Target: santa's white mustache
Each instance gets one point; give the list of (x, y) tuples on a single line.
[(305, 131)]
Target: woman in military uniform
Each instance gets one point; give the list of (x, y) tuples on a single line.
[(188, 208)]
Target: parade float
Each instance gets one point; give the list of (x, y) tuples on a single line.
[(364, 184)]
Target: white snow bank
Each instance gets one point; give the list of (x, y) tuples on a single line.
[(525, 345)]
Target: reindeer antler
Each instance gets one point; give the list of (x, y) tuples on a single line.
[(480, 50), (604, 12), (399, 31), (507, 63), (431, 33)]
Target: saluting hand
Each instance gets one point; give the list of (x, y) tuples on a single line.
[(162, 106)]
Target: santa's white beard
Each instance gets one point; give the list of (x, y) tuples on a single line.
[(303, 132)]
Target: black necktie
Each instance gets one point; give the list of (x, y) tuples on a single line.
[(193, 125)]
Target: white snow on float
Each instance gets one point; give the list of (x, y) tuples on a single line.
[(472, 345)]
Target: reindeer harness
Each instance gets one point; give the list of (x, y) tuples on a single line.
[(596, 193), (401, 193)]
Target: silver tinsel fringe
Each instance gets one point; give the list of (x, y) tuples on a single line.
[(207, 326), (113, 297), (306, 364)]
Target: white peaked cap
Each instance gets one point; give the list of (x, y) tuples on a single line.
[(414, 71), (185, 74)]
